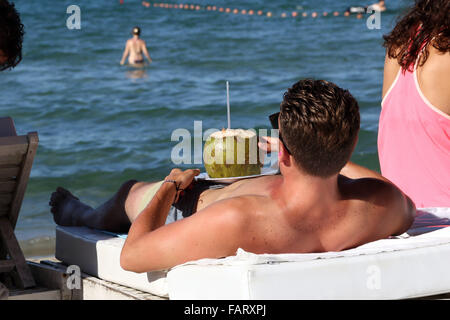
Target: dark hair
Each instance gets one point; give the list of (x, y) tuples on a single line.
[(319, 123), (428, 22), (136, 30), (11, 35)]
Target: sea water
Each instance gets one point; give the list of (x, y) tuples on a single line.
[(100, 123)]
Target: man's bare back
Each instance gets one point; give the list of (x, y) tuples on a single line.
[(135, 49)]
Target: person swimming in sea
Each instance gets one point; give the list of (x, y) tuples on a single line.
[(378, 6), (135, 49)]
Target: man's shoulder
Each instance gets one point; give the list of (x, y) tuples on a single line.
[(379, 204), (240, 209), (366, 188)]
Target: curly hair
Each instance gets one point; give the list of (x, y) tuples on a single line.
[(428, 22), (11, 35), (319, 123)]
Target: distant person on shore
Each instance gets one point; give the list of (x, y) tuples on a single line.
[(11, 36), (359, 10), (414, 128), (135, 50), (314, 205), (379, 6)]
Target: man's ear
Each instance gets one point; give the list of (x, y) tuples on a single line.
[(283, 156)]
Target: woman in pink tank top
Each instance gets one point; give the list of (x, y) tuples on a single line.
[(414, 127)]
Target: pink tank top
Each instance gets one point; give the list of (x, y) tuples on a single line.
[(414, 143)]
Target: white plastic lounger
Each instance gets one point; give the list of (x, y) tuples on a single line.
[(415, 264)]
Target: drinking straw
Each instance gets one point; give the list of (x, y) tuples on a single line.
[(228, 105)]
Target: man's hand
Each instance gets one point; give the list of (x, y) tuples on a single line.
[(183, 178), (269, 144)]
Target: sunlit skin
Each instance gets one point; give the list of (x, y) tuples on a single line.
[(433, 78), (135, 48), (379, 6)]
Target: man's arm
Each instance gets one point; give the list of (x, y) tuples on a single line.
[(213, 232), (144, 49), (125, 53), (391, 211), (355, 171)]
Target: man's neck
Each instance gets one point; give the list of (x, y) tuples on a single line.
[(297, 187)]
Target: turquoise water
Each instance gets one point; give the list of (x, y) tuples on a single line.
[(100, 123)]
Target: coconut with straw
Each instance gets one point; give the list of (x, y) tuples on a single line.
[(231, 152)]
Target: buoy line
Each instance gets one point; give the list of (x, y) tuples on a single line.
[(250, 12)]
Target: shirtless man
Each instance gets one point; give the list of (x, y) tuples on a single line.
[(134, 49), (320, 201), (359, 10), (379, 6)]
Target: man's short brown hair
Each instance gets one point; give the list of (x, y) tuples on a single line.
[(319, 123), (11, 35)]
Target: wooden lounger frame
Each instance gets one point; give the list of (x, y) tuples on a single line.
[(16, 159)]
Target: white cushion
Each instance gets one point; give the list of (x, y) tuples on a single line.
[(401, 267)]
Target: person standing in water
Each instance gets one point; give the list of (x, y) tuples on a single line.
[(359, 10), (378, 6), (135, 49)]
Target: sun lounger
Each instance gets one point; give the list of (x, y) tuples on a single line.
[(16, 158), (414, 264)]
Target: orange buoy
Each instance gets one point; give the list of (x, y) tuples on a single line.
[(269, 14), (251, 12), (294, 13), (260, 12), (314, 14)]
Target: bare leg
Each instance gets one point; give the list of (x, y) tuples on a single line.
[(68, 210)]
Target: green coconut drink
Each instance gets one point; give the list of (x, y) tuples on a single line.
[(232, 153)]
